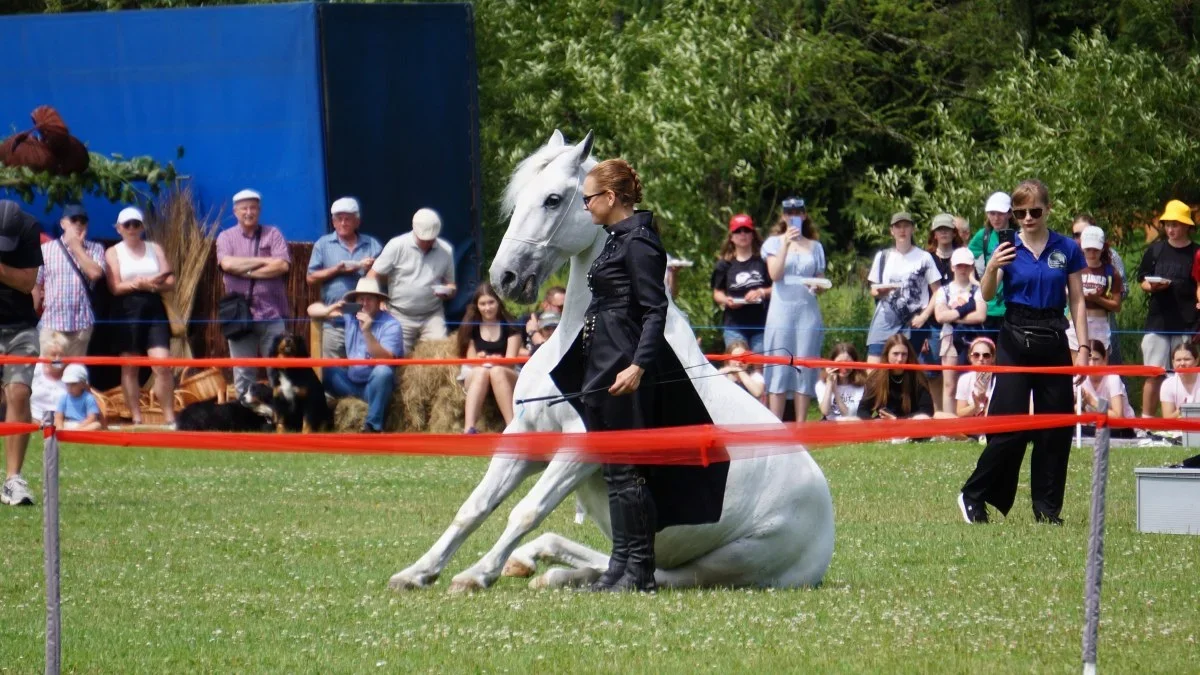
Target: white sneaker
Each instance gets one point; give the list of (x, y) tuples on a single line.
[(16, 492)]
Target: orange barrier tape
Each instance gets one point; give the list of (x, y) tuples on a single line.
[(1128, 371), (695, 445), (14, 428)]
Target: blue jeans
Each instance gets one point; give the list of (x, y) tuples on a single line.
[(751, 336), (376, 391)]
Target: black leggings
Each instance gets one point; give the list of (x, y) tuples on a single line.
[(998, 470)]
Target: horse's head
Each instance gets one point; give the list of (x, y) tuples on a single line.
[(548, 223)]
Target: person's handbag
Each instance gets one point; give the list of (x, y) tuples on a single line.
[(233, 309)]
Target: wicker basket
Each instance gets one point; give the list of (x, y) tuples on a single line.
[(202, 385), (112, 404)]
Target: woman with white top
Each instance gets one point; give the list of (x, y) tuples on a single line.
[(974, 388), (1180, 388), (903, 281), (138, 275), (48, 387), (960, 308), (839, 394), (1097, 386)]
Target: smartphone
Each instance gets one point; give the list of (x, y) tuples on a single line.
[(351, 308), (1006, 236)]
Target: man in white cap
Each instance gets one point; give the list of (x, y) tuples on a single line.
[(985, 241), (20, 260), (420, 276), (72, 267), (255, 261), (371, 333), (339, 259)]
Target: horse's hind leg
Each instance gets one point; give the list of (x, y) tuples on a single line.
[(553, 549)]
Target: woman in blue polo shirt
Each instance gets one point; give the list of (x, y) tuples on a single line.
[(1042, 272)]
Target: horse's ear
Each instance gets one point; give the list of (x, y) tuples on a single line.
[(556, 140), (584, 149)]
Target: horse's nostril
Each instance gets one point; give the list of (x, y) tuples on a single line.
[(508, 280)]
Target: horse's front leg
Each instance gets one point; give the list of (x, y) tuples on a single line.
[(560, 479), (502, 477)]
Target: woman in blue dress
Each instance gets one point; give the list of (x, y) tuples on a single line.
[(795, 260)]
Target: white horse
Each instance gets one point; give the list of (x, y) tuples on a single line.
[(776, 525)]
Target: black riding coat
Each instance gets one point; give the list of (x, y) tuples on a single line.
[(625, 323)]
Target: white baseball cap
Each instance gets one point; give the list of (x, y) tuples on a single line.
[(999, 202), (344, 205), (75, 373), (962, 256), (427, 225), (246, 194), (130, 213), (1092, 237)]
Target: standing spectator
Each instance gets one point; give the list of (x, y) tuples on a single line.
[(963, 227), (744, 375), (1080, 222), (255, 261), (138, 274), (1166, 273), (552, 302), (896, 394), (1042, 273), (795, 260), (983, 245), (942, 243), (339, 259), (48, 387), (372, 333), (71, 269), (20, 260), (974, 388), (841, 392), (741, 284), (487, 331), (77, 408), (1180, 387), (1103, 288), (419, 269), (903, 280), (961, 308)]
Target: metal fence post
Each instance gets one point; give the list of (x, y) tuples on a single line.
[(1095, 554), (50, 541)]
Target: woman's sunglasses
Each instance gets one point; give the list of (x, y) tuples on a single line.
[(981, 355), (1019, 214), (587, 199), (743, 230)]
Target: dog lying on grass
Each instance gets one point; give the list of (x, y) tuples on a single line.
[(252, 413)]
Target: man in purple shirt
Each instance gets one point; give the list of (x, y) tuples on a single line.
[(371, 333), (255, 261)]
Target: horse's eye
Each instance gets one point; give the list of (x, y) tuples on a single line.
[(552, 201)]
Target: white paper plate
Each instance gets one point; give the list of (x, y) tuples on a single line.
[(1158, 280), (817, 281), (881, 287), (440, 289)]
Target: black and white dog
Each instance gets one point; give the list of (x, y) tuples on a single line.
[(252, 413), (298, 395)]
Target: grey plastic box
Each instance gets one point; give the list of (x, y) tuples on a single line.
[(1191, 439), (1168, 500)]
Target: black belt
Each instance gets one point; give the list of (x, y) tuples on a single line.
[(1024, 315)]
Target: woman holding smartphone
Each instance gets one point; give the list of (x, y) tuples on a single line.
[(138, 274), (1042, 273)]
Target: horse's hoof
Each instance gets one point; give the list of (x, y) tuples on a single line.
[(466, 585), (403, 581), (516, 568)]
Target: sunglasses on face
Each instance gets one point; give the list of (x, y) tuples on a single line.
[(79, 220), (743, 230), (587, 199), (981, 355), (1020, 214), (132, 224)]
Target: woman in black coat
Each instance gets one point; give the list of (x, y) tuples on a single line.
[(623, 334)]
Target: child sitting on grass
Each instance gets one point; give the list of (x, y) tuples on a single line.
[(77, 408)]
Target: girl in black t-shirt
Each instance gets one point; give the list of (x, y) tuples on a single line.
[(741, 284), (896, 394), (487, 330)]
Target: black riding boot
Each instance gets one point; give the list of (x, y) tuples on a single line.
[(613, 476), (639, 517)]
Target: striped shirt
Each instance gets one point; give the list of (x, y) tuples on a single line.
[(270, 295), (66, 302)]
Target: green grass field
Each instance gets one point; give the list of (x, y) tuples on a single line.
[(227, 562)]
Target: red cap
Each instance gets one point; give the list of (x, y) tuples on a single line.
[(739, 221)]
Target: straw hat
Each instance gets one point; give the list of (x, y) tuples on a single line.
[(365, 287)]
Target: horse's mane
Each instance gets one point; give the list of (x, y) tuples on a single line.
[(529, 168)]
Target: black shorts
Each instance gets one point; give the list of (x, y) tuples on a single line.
[(142, 323)]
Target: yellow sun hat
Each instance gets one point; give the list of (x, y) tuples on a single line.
[(1178, 212)]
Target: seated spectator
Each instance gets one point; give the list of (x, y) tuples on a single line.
[(546, 325), (339, 259), (744, 375), (371, 333), (960, 308), (138, 274), (552, 303), (1181, 388), (896, 394), (487, 330), (1094, 387), (48, 387), (419, 268), (841, 391), (741, 284), (974, 388), (77, 407)]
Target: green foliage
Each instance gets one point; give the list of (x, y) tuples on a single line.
[(113, 178)]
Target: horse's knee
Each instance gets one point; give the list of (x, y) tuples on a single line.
[(523, 517)]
